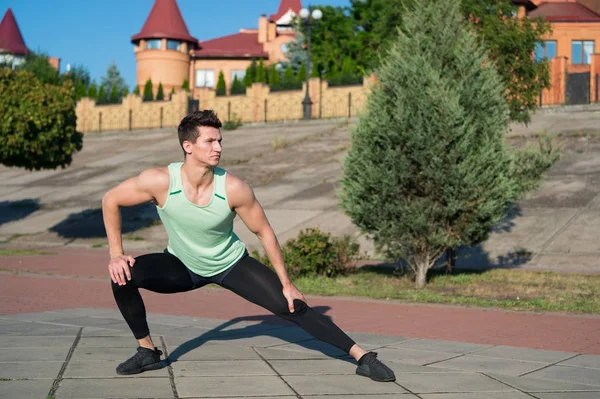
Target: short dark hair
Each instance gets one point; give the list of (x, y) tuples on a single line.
[(188, 128)]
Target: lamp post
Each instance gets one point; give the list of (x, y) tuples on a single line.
[(307, 16)]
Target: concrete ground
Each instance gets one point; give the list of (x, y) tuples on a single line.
[(74, 353), (295, 169)]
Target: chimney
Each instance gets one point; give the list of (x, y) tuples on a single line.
[(263, 26)]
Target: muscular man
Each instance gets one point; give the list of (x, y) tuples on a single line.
[(197, 202)]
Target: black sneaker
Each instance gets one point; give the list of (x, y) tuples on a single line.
[(145, 359), (369, 366)]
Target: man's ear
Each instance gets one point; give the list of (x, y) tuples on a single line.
[(187, 147)]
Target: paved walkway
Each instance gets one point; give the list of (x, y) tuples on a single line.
[(73, 354)]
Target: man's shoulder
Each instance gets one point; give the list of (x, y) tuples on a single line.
[(157, 177)]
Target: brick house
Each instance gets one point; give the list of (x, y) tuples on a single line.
[(167, 53)]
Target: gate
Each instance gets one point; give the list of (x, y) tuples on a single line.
[(578, 88), (193, 105)]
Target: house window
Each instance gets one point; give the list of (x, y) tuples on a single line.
[(545, 51), (173, 45), (239, 73), (153, 44), (205, 78), (581, 51)]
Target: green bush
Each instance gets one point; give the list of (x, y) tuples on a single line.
[(221, 89), (237, 87), (37, 128), (160, 93), (186, 85), (315, 252), (232, 123), (148, 94)]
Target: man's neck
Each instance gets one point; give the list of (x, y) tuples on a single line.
[(199, 176)]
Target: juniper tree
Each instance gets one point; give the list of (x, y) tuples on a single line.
[(428, 168), (221, 89), (160, 93)]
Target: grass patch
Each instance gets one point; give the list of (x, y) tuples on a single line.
[(509, 289), (279, 143), (16, 252)]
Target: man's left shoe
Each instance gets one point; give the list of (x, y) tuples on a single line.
[(370, 366)]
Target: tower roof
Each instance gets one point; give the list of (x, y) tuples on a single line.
[(286, 5), (165, 21), (11, 40)]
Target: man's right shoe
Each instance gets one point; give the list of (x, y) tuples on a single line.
[(145, 359), (370, 366)]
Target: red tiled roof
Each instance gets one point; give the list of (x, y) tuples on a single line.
[(11, 40), (565, 12), (165, 21), (284, 7), (239, 45)]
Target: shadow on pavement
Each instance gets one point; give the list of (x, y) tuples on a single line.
[(16, 210), (89, 223), (298, 337)]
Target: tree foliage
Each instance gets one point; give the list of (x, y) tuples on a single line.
[(148, 94), (38, 124), (113, 78), (428, 168), (160, 92), (221, 89)]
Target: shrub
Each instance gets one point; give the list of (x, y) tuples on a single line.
[(232, 123), (315, 252), (148, 94), (221, 85), (37, 128), (160, 93)]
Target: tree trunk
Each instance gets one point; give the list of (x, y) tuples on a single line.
[(421, 277), (450, 260)]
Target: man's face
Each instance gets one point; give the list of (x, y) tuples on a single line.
[(207, 148)]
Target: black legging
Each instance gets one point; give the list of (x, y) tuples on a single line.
[(166, 274)]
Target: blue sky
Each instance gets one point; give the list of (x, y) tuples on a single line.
[(95, 32)]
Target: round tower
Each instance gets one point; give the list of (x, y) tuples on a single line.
[(163, 48)]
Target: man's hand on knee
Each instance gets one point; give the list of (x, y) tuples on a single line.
[(290, 292), (119, 269)]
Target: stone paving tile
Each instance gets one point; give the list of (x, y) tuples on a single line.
[(33, 354), (529, 384), (569, 395), (571, 374), (89, 321), (581, 361), (477, 395), (157, 388), (284, 354), (439, 346), (450, 383), (482, 364), (383, 396), (313, 345), (114, 342), (224, 368), (206, 387), (105, 369), (37, 316), (340, 385), (31, 328), (530, 355), (11, 341), (211, 351), (312, 367), (377, 340), (29, 370), (104, 332), (25, 389), (84, 354), (413, 356)]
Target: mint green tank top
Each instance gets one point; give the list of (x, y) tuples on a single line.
[(201, 237)]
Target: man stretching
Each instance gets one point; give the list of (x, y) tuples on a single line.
[(197, 202)]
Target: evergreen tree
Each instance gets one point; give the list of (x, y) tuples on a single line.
[(148, 94), (136, 90), (113, 78), (101, 98), (186, 85), (261, 73), (237, 87), (113, 98), (289, 81), (274, 79), (172, 92), (160, 93), (80, 91), (301, 77), (428, 168), (125, 91), (221, 86), (250, 76), (92, 91)]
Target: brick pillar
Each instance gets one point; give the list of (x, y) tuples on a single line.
[(594, 70), (558, 82), (315, 96)]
